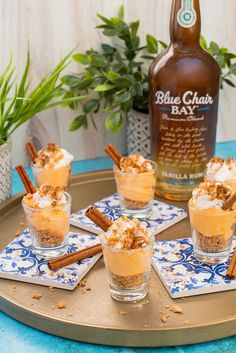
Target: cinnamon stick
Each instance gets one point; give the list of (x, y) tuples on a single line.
[(76, 256), (229, 203), (25, 179), (98, 218), (31, 150), (103, 222), (231, 272), (112, 152)]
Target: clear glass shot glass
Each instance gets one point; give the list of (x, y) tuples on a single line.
[(128, 271), (136, 191), (52, 176), (49, 228), (212, 233)]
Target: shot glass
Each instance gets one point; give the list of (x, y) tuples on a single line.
[(128, 271), (52, 176), (212, 234), (49, 228), (136, 191)]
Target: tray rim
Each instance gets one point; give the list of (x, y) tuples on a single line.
[(10, 306)]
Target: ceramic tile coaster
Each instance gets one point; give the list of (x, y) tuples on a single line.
[(183, 275), (163, 215), (19, 262)]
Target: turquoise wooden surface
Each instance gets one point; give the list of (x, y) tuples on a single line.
[(18, 338)]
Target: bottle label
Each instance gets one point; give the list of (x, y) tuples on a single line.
[(183, 134), (187, 16)]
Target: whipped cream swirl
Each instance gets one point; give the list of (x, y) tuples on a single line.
[(127, 234), (210, 194), (221, 170)]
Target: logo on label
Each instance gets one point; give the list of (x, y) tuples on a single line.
[(188, 104), (187, 16)]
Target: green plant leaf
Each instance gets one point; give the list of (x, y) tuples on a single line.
[(81, 58), (110, 32), (121, 12), (122, 82), (108, 49), (104, 88), (91, 106), (214, 48), (152, 45), (111, 75), (163, 44), (122, 96), (233, 69), (203, 43), (134, 26), (78, 122), (114, 121), (229, 82)]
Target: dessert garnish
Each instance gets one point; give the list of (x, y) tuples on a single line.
[(220, 169), (31, 150), (113, 154), (52, 156), (46, 196), (127, 234), (68, 259), (103, 222), (134, 163), (231, 272), (215, 195), (25, 179)]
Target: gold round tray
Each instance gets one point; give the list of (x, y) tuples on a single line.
[(93, 316)]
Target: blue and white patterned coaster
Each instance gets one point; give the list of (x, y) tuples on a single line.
[(183, 275), (163, 215), (19, 262)]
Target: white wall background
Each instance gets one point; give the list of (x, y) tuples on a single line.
[(53, 27)]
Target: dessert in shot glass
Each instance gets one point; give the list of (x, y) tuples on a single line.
[(47, 213), (222, 170), (52, 166), (212, 211), (135, 181), (127, 250)]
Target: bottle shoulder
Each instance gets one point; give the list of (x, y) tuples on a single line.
[(173, 60)]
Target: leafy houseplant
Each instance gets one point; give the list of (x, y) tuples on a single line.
[(116, 77), (18, 104)]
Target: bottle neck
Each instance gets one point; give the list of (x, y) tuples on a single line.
[(185, 23)]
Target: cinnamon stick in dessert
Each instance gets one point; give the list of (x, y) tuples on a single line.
[(112, 152), (229, 203), (31, 150), (231, 272), (76, 256), (98, 218), (25, 179), (103, 222)]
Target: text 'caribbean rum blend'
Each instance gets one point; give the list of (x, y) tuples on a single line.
[(184, 92)]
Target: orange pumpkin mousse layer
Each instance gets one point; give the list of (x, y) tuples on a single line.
[(52, 166), (47, 213), (135, 181), (222, 170), (212, 226), (127, 250)]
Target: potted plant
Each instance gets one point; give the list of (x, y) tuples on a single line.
[(116, 79), (18, 104)]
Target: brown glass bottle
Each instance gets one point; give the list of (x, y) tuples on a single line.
[(184, 91)]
